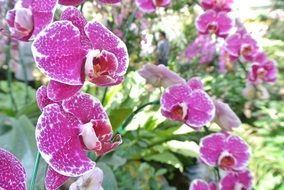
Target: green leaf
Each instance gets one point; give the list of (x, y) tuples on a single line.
[(117, 116), (166, 158)]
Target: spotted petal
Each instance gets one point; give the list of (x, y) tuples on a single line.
[(41, 97), (57, 136), (146, 5), (54, 180), (59, 54), (12, 173), (71, 2)]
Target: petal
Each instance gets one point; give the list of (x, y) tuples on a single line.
[(41, 97), (199, 184), (57, 136), (195, 83), (58, 52), (57, 91), (228, 182), (84, 107), (12, 173), (211, 147), (54, 180), (245, 177), (110, 1), (104, 39), (239, 149), (162, 3), (71, 2), (201, 109), (203, 20), (43, 12), (74, 15), (146, 5), (225, 24)]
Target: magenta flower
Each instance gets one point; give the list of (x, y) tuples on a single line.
[(12, 173), (241, 44), (65, 132), (225, 117), (226, 61), (265, 71), (160, 75), (212, 22), (151, 5), (70, 50), (70, 2), (237, 180), (54, 180), (225, 151), (217, 5), (202, 48), (29, 17), (199, 184), (188, 103)]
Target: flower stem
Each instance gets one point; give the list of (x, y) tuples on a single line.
[(32, 184), (104, 96), (217, 173), (131, 116)]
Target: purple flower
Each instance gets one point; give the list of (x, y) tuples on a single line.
[(217, 5), (225, 151), (225, 117), (12, 173), (265, 71), (202, 48), (212, 22), (151, 5), (70, 2), (226, 61), (29, 17), (66, 130), (160, 75), (237, 180), (242, 45), (188, 103), (70, 50), (199, 184)]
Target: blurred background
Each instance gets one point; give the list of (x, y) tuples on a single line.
[(157, 154)]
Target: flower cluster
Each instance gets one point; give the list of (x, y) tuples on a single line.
[(70, 51), (234, 43)]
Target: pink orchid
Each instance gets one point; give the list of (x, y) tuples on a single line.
[(151, 5), (226, 61), (237, 180), (212, 22), (80, 124), (265, 71), (90, 181), (188, 103), (217, 5), (29, 17), (199, 184), (202, 48), (78, 2), (12, 173), (225, 117), (225, 151), (160, 75), (68, 50), (242, 45)]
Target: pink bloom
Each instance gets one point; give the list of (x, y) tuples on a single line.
[(70, 50), (65, 132), (151, 5), (202, 48), (237, 180), (226, 61), (225, 151), (160, 75), (110, 1), (70, 2), (188, 103), (199, 184), (212, 22), (54, 180), (29, 17), (241, 44), (225, 117), (265, 71), (90, 181), (217, 5), (12, 173)]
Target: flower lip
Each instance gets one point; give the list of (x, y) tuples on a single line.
[(226, 161), (212, 27), (89, 137), (180, 111), (246, 49)]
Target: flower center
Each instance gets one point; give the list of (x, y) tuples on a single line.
[(89, 136), (212, 28), (239, 186), (179, 111), (246, 50), (261, 73), (159, 3), (226, 161)]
